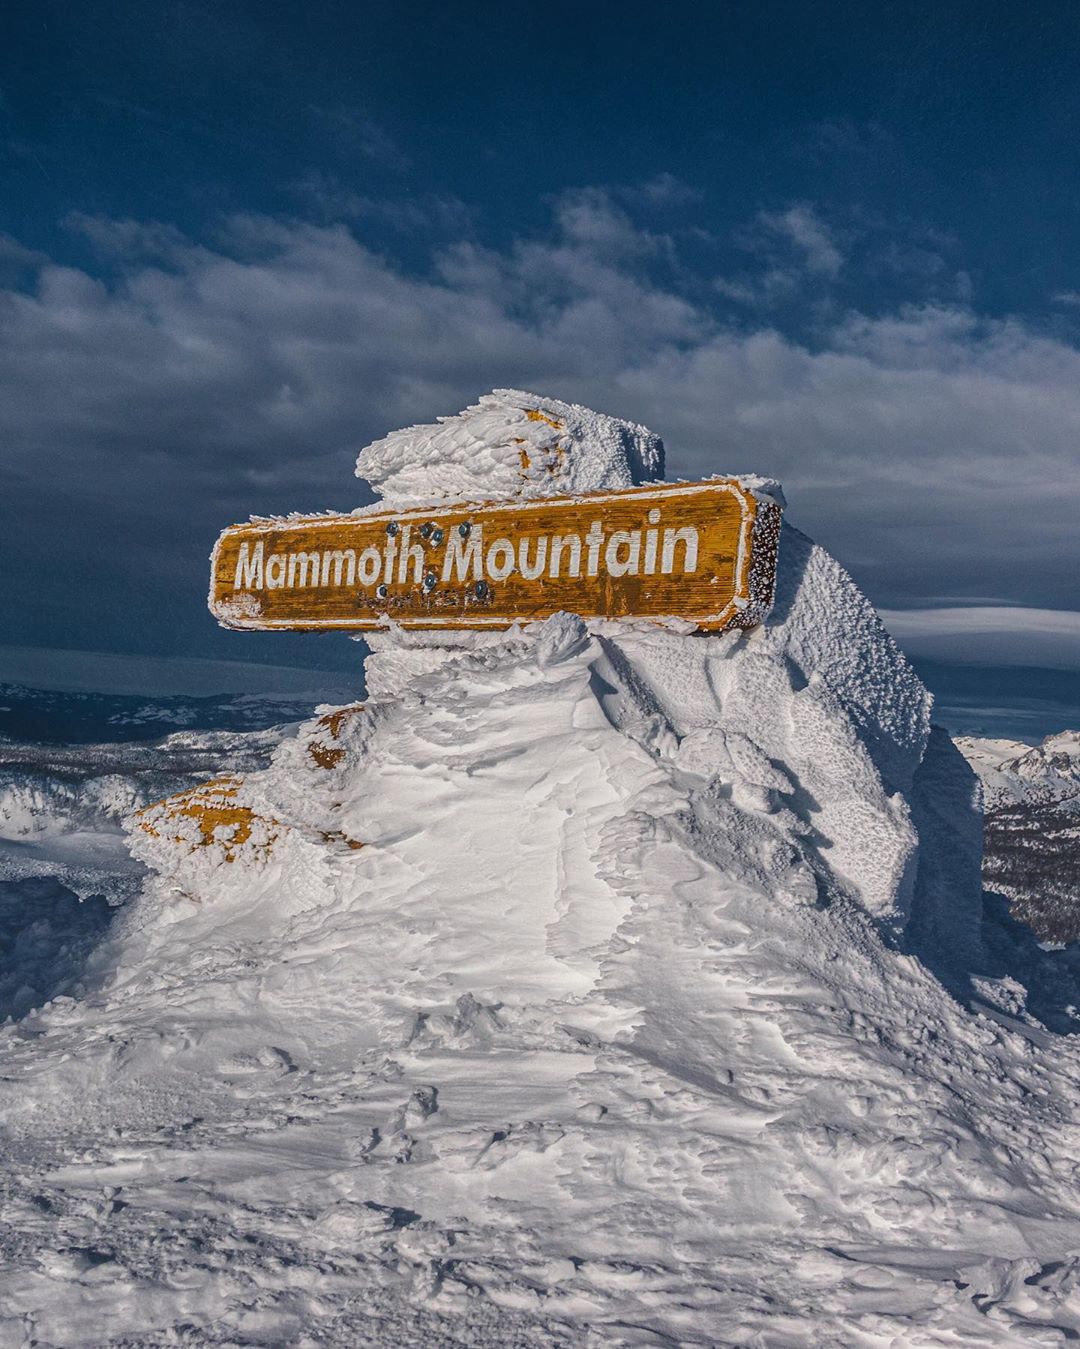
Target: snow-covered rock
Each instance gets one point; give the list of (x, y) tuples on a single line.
[(511, 444), (656, 1007), (1032, 828), (64, 861)]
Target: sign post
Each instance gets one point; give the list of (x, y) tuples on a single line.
[(702, 552)]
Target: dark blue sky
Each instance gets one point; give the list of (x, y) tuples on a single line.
[(962, 120), (837, 243)]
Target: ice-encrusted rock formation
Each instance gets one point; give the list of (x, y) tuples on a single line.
[(626, 1024), (511, 444)]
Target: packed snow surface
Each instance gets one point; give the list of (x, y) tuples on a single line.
[(659, 1006)]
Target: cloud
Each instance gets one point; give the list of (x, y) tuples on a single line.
[(16, 262), (796, 257), (425, 212), (802, 227), (361, 133), (588, 218), (932, 449), (840, 138), (808, 270), (665, 190)]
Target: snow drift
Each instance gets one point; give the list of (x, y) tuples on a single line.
[(657, 1006)]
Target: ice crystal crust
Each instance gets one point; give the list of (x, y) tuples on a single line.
[(626, 1024), (511, 444)]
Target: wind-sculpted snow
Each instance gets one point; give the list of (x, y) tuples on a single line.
[(609, 1033), (64, 863)]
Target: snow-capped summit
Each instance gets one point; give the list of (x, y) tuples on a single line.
[(511, 444), (1014, 772)]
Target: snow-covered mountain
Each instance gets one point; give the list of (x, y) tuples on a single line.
[(588, 984), (1032, 836), (1012, 772)]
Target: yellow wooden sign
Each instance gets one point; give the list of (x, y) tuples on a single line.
[(703, 552)]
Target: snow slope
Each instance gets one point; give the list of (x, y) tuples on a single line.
[(659, 1007)]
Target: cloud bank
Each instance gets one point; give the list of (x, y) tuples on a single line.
[(186, 383)]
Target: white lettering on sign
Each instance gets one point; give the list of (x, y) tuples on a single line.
[(249, 568), (617, 554), (701, 552), (343, 561), (463, 553)]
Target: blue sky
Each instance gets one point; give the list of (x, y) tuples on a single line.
[(837, 244)]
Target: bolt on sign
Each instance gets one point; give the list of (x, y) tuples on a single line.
[(702, 552)]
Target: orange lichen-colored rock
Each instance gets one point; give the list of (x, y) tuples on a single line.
[(535, 415), (210, 816), (321, 749), (336, 836)]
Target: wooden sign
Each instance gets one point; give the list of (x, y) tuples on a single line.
[(703, 552)]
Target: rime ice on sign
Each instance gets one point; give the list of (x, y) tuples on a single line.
[(628, 893), (517, 508)]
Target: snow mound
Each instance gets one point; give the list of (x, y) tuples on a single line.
[(511, 444), (600, 984), (65, 867)]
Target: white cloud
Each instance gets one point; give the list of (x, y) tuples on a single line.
[(355, 128), (666, 190), (589, 218), (801, 226), (425, 212)]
